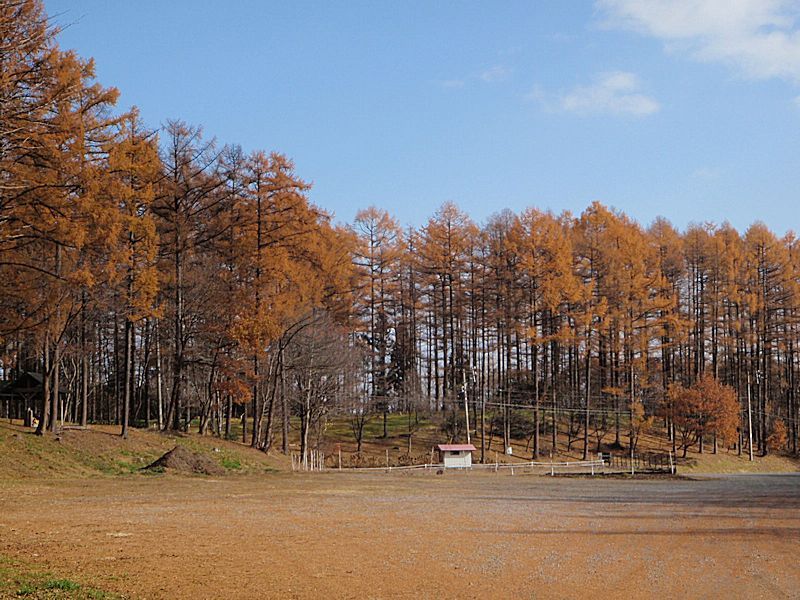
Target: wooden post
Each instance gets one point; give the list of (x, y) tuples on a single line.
[(340, 458), (387, 458)]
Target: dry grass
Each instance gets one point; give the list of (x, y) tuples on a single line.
[(729, 462), (100, 451)]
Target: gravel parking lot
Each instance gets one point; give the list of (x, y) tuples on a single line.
[(412, 536)]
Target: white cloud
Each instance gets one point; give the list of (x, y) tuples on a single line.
[(495, 73), (760, 39), (537, 94), (615, 93), (561, 38), (706, 173)]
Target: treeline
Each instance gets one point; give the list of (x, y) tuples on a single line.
[(596, 323), (148, 277), (158, 278)]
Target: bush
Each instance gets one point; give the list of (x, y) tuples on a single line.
[(777, 437)]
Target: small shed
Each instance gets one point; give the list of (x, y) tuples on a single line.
[(23, 393), (456, 456)]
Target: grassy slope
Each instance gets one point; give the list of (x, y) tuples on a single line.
[(100, 451), (730, 462), (339, 435)]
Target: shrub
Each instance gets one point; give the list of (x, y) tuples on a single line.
[(777, 437)]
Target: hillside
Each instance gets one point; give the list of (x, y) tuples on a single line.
[(100, 451)]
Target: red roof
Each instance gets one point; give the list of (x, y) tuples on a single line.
[(456, 447)]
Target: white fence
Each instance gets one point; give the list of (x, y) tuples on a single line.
[(316, 462)]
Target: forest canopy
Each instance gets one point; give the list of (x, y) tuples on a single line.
[(152, 276)]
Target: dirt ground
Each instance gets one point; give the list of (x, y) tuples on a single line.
[(411, 536)]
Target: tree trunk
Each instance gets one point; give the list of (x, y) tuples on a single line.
[(176, 398), (45, 406), (228, 410), (126, 407), (284, 414), (254, 404), (536, 424), (84, 369), (159, 378), (55, 404)]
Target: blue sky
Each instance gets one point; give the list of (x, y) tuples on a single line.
[(687, 109)]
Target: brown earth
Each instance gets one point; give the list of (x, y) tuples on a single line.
[(473, 535), (183, 460)]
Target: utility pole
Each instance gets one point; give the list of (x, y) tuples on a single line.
[(466, 402), (631, 433), (483, 393)]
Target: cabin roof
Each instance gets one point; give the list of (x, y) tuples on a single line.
[(456, 447), (26, 382)]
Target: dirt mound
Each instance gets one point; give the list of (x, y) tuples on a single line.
[(183, 460)]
